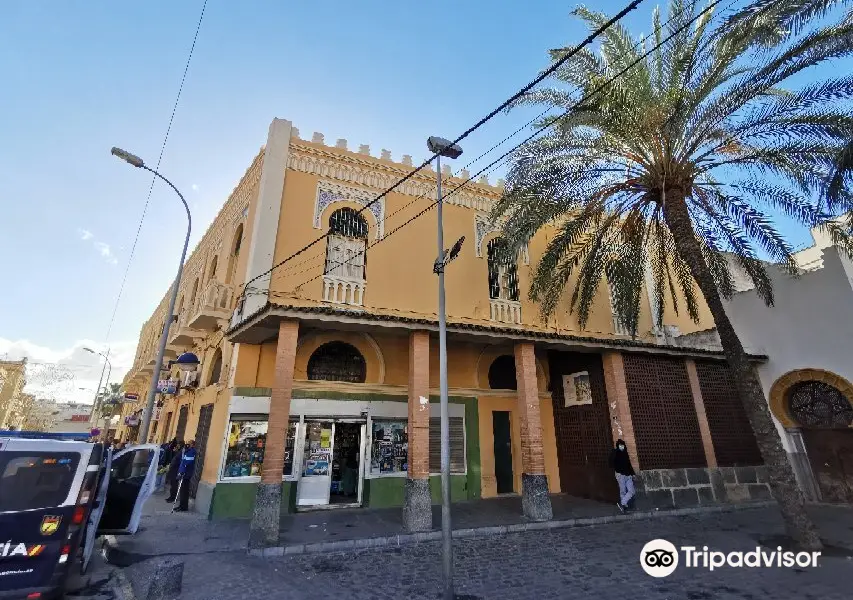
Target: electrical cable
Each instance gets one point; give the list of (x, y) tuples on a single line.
[(545, 74), (537, 132), (640, 43), (153, 177)]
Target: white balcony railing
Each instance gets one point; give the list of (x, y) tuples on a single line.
[(505, 311), (343, 291), (217, 296)]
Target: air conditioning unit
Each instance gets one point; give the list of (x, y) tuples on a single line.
[(190, 379)]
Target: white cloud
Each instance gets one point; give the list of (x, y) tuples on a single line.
[(102, 248), (106, 252), (59, 374), (194, 187)]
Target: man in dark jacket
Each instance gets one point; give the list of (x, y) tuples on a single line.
[(620, 462), (172, 473), (185, 472)]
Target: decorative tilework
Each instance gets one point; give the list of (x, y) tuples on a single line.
[(483, 227), (329, 193)]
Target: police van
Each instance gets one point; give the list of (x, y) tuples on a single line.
[(56, 497)]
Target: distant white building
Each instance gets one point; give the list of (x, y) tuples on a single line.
[(808, 338), (58, 417)]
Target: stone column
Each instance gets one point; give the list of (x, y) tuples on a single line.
[(617, 403), (701, 415), (417, 510), (535, 502), (267, 512)]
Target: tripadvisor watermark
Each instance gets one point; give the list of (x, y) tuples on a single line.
[(660, 558)]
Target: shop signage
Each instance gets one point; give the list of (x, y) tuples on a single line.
[(167, 386), (79, 418), (131, 420), (131, 397), (156, 415)]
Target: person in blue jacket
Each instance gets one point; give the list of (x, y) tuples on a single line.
[(185, 472)]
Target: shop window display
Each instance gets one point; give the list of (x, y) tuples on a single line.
[(389, 447), (247, 440)]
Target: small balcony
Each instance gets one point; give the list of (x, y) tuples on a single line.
[(505, 311), (340, 290), (181, 334), (213, 307)]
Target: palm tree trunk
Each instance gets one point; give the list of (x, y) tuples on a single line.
[(781, 475)]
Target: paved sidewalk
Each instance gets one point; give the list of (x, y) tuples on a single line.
[(165, 533), (600, 561)]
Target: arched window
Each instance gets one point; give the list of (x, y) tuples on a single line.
[(235, 254), (818, 404), (337, 361), (503, 273), (502, 373), (216, 370), (346, 245), (195, 292), (212, 273)]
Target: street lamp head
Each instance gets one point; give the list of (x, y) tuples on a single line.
[(186, 362), (89, 350), (443, 147), (127, 157)]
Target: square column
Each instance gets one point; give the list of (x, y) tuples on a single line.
[(701, 415), (267, 512), (417, 509), (621, 425), (535, 502)]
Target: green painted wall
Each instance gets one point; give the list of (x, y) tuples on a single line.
[(236, 500)]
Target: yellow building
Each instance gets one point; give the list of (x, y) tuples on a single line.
[(13, 401), (319, 379)]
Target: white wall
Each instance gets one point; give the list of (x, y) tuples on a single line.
[(810, 325)]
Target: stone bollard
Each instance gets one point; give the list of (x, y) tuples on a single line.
[(166, 581)]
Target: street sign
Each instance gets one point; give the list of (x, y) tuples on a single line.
[(167, 386)]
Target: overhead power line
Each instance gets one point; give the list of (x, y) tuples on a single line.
[(537, 132), (319, 256), (503, 105), (153, 177), (501, 159)]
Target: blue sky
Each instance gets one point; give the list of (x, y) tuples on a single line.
[(81, 77)]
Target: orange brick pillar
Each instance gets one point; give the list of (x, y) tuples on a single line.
[(417, 508), (701, 415), (617, 403), (267, 512), (535, 502)]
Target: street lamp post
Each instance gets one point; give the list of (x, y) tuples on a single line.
[(109, 369), (158, 365), (441, 147)]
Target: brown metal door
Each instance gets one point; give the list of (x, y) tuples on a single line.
[(181, 429), (205, 414), (583, 432), (831, 456)]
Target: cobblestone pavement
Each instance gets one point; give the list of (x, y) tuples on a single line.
[(600, 561)]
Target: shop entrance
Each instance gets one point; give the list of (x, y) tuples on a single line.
[(332, 472)]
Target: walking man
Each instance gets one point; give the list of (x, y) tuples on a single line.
[(185, 472), (620, 462)]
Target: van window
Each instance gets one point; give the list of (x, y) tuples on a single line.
[(32, 480)]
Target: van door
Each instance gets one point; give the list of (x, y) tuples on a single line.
[(97, 510), (131, 482)]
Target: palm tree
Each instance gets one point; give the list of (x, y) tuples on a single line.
[(671, 168), (778, 20)]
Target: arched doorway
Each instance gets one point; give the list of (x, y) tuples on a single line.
[(817, 405)]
